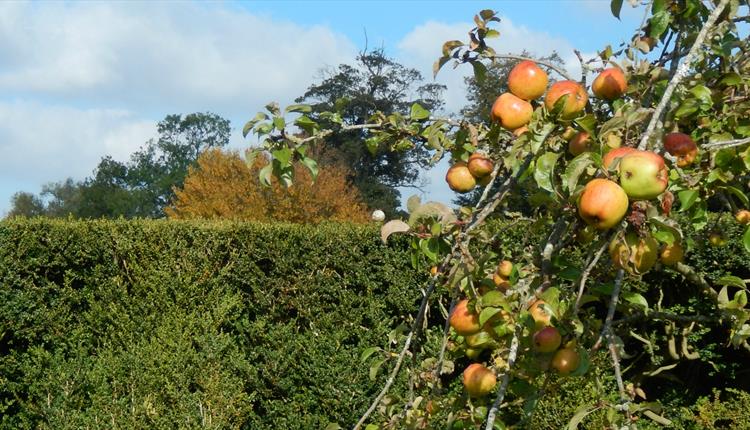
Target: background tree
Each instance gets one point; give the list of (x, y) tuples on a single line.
[(26, 204), (375, 83), (222, 186), (141, 187)]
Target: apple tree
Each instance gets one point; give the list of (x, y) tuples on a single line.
[(618, 170)]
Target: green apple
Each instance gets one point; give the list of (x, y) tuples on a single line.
[(643, 175)]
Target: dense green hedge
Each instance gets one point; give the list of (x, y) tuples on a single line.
[(156, 324)]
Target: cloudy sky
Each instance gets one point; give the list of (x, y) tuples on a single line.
[(81, 80)]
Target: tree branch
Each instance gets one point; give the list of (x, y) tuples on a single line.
[(506, 379), (667, 316), (611, 312), (557, 69), (587, 272), (726, 144), (682, 71), (692, 276)]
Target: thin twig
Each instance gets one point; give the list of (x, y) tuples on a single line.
[(549, 248), (506, 379), (726, 144), (666, 316), (682, 71), (611, 312), (587, 272), (557, 69)]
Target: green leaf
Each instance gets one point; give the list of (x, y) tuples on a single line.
[(616, 6), (492, 34), (265, 175), (731, 79), (746, 239), (372, 144), (487, 314), (311, 165), (480, 71), (686, 108), (368, 352), (587, 123), (569, 273), (614, 124), (279, 123), (430, 248), (687, 199), (439, 65), (302, 108), (273, 107), (545, 167), (584, 410), (731, 281), (635, 299), (659, 23), (576, 167), (703, 94), (419, 113), (486, 14), (283, 155), (375, 368), (739, 194), (305, 123), (250, 155), (494, 298), (658, 6), (449, 46), (334, 426)]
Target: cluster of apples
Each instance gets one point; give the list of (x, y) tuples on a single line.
[(547, 340), (463, 177)]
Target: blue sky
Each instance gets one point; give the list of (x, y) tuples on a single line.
[(81, 80)]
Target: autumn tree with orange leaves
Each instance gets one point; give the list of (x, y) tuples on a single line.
[(222, 186)]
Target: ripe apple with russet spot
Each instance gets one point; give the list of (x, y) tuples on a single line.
[(566, 361), (602, 203), (527, 80), (511, 112), (478, 380), (681, 146), (610, 84), (633, 253), (463, 320), (547, 340), (643, 175), (575, 102), (460, 179)]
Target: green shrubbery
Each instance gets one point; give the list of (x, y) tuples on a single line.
[(155, 324)]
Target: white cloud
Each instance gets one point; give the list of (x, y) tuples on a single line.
[(81, 80)]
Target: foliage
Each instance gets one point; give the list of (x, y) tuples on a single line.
[(221, 186), (696, 83), (375, 83), (141, 187)]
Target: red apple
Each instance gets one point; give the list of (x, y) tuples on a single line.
[(602, 204), (575, 102), (681, 146), (610, 84), (460, 179), (527, 80), (480, 165), (643, 175), (547, 339), (565, 361), (463, 320), (478, 380), (579, 143), (511, 112), (614, 154)]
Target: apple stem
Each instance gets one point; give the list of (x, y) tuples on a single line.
[(512, 354), (682, 71)]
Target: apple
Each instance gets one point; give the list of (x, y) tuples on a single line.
[(643, 175), (614, 154), (511, 112), (520, 130), (460, 179), (527, 80), (645, 44), (478, 380), (602, 204), (635, 254), (464, 321), (569, 133), (433, 270), (547, 339), (579, 143), (742, 216), (565, 361), (671, 254), (541, 317), (480, 340), (484, 181), (505, 268), (716, 239), (473, 353), (480, 165), (681, 146), (501, 282), (575, 102), (610, 84)]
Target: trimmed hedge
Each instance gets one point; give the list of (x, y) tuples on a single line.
[(163, 324), (169, 324)]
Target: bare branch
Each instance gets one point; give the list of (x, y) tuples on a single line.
[(611, 312), (587, 272), (512, 354), (692, 276), (682, 71), (667, 316), (715, 146)]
